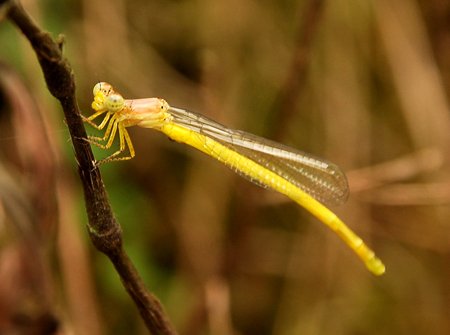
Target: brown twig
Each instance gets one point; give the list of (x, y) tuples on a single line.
[(104, 230)]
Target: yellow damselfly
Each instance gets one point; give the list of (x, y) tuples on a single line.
[(301, 177)]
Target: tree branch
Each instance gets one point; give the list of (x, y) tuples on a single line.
[(105, 232)]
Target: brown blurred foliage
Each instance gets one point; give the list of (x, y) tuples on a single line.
[(364, 84)]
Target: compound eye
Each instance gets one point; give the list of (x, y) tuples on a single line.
[(102, 87), (114, 102)]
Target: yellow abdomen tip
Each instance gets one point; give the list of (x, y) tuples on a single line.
[(376, 266)]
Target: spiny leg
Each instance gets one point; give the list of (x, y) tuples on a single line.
[(111, 157), (113, 133), (112, 129), (124, 139), (105, 137), (101, 125), (129, 143), (89, 119), (104, 122)]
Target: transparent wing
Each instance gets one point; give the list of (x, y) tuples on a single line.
[(319, 178)]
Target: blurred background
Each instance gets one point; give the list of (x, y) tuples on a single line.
[(364, 84)]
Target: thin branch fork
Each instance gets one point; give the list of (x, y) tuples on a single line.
[(105, 232)]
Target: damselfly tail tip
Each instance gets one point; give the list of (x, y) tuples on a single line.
[(376, 266)]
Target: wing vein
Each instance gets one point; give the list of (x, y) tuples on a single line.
[(321, 179)]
